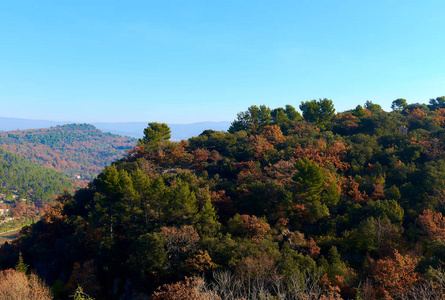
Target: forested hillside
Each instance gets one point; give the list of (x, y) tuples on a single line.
[(79, 150), (321, 205), (22, 179)]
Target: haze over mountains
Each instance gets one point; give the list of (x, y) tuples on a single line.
[(132, 129)]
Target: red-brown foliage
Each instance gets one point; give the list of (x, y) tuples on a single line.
[(311, 248), (355, 193), (282, 171), (181, 239), (273, 134), (395, 275), (53, 213), (250, 267), (346, 121), (260, 145), (378, 192), (15, 285), (333, 287), (415, 114), (432, 224), (325, 156), (192, 288), (432, 148), (199, 263), (200, 156), (254, 227), (249, 171), (440, 116)]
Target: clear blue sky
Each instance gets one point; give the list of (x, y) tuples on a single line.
[(189, 61)]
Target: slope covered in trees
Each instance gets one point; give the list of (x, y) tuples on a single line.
[(326, 205), (24, 179), (79, 150)]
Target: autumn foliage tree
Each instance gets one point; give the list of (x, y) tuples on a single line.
[(395, 275), (192, 288), (16, 285), (432, 225)]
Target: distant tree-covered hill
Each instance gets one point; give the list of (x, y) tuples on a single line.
[(178, 131), (23, 179), (78, 150), (132, 129)]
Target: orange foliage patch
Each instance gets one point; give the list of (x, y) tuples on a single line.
[(254, 227), (192, 288), (415, 114), (200, 262), (440, 116), (432, 148), (251, 267), (16, 285), (432, 224), (311, 248), (396, 274), (260, 145), (181, 239), (324, 155), (273, 134), (250, 171)]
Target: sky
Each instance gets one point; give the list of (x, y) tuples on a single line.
[(193, 61)]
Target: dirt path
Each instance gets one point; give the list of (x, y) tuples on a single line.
[(11, 230)]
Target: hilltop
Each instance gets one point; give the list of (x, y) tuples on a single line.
[(131, 129), (80, 151)]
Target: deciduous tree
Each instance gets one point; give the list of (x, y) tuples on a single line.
[(395, 275)]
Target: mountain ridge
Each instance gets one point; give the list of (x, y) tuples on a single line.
[(78, 150), (131, 129)]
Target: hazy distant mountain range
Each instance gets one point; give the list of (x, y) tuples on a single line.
[(132, 129), (179, 131)]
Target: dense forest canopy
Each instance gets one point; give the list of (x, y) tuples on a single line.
[(22, 179), (321, 205), (79, 150)]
